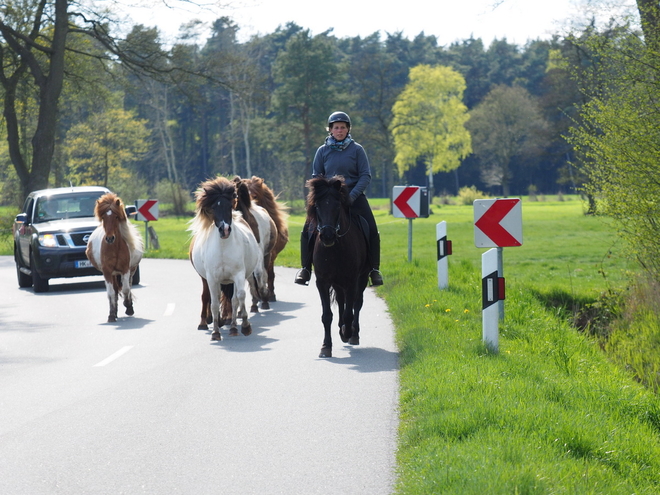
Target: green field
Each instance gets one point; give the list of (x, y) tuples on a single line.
[(550, 413)]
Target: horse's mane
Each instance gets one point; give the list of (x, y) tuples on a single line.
[(244, 203), (112, 202), (319, 187), (265, 198), (206, 195)]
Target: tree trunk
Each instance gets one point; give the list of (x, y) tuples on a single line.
[(649, 13)]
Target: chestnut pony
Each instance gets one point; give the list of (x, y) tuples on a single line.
[(264, 197), (115, 249), (340, 257)]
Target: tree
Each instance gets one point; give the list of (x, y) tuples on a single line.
[(507, 124), (616, 142), (307, 76), (429, 121), (36, 37), (100, 149)]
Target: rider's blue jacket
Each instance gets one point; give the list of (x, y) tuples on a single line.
[(346, 158)]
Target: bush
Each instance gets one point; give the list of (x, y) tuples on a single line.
[(467, 195)]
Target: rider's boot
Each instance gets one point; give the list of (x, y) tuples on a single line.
[(305, 273), (374, 255)]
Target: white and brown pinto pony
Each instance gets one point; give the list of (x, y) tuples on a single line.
[(223, 250), (115, 249)]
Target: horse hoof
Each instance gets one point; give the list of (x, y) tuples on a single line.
[(354, 340), (202, 327), (233, 332), (272, 298), (130, 311), (254, 308), (265, 305), (326, 352), (342, 334), (216, 336), (112, 319), (246, 330)]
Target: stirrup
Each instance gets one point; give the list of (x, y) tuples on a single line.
[(376, 277), (303, 276)]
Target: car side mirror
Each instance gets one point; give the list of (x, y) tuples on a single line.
[(131, 210), (21, 218)]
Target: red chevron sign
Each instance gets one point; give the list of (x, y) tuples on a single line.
[(497, 222), (410, 202), (147, 209)]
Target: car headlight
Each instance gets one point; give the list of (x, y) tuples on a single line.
[(48, 240)]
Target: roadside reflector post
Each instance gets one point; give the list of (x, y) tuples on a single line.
[(444, 249), (493, 292)]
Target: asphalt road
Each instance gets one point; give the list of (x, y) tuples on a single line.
[(150, 404)]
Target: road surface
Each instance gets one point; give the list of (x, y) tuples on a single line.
[(150, 404)]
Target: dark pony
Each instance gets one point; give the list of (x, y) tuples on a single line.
[(264, 197), (115, 249), (340, 257)]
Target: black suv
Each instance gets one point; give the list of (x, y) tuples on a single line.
[(50, 236)]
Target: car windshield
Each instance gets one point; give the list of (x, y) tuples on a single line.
[(51, 208)]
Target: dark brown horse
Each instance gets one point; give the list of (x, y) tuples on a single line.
[(264, 197), (340, 258), (115, 249)]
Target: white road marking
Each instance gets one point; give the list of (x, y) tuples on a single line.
[(117, 354), (169, 310)]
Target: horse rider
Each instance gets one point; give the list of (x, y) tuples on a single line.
[(340, 155)]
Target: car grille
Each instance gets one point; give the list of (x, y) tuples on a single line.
[(76, 239)]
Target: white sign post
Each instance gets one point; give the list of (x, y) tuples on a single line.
[(497, 224), (492, 289), (444, 250)]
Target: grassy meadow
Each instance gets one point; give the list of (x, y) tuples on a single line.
[(550, 413)]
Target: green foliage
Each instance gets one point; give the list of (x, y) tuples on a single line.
[(617, 144), (429, 120), (101, 149), (467, 195)]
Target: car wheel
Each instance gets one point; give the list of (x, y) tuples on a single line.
[(136, 277), (39, 284), (24, 280)]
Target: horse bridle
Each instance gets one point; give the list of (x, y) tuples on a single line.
[(319, 228)]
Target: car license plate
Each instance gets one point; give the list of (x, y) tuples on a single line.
[(83, 264)]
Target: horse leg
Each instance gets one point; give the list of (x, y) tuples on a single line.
[(239, 309), (357, 306), (271, 280), (227, 292), (215, 311), (112, 300), (344, 333), (126, 293), (254, 292), (205, 317), (263, 284), (326, 319)]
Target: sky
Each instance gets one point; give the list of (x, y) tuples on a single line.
[(449, 20)]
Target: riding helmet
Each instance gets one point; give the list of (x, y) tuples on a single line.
[(339, 117)]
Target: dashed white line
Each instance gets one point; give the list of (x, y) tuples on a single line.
[(169, 309), (117, 354)]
